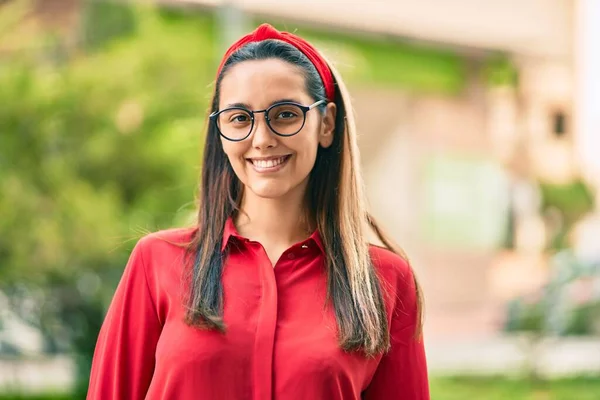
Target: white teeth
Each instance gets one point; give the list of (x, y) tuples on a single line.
[(268, 163)]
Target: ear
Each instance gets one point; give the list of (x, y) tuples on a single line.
[(328, 126)]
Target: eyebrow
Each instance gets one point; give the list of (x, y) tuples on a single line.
[(247, 106), (243, 105)]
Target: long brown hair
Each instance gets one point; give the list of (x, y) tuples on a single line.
[(336, 204)]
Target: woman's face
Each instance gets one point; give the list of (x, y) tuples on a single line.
[(269, 165)]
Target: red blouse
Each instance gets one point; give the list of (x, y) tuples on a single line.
[(280, 341)]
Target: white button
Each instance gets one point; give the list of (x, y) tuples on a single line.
[(291, 256), (305, 246)]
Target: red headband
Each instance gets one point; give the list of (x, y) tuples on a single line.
[(266, 31)]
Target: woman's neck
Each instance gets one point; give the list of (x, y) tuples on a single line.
[(279, 222)]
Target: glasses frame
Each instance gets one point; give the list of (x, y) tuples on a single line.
[(215, 115)]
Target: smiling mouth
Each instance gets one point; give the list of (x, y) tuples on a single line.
[(269, 164)]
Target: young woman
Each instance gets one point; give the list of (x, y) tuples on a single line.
[(276, 292)]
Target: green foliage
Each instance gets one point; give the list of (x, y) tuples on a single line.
[(525, 316), (98, 147), (499, 70), (552, 310), (585, 319), (94, 151), (572, 200), (104, 21)]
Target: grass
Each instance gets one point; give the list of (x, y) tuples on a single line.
[(502, 388), (35, 397), (461, 388)]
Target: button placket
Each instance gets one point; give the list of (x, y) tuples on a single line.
[(265, 332)]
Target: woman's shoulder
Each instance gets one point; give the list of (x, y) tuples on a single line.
[(390, 264), (166, 240), (162, 255), (398, 282)]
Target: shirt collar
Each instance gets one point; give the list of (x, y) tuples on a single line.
[(230, 231), (316, 238)]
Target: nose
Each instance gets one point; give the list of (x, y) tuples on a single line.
[(262, 137)]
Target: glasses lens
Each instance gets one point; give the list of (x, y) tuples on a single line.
[(234, 123), (286, 119)]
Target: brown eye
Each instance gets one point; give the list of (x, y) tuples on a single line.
[(239, 118), (286, 115)]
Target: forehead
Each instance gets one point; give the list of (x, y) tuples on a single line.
[(259, 83)]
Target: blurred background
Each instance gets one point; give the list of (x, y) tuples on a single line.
[(479, 132)]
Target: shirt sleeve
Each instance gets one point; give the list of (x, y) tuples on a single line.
[(124, 357), (402, 372)]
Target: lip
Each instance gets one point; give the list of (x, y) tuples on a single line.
[(272, 169)]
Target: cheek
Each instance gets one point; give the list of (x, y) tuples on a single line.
[(235, 154), (233, 150), (307, 155)]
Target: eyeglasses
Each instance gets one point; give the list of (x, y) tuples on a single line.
[(285, 118)]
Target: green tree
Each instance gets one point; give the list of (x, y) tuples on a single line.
[(96, 147)]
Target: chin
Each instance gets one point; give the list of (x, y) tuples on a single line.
[(269, 191)]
